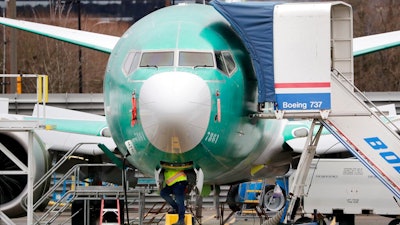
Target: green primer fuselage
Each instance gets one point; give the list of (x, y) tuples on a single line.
[(232, 145)]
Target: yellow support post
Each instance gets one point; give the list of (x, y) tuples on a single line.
[(45, 88), (39, 88), (19, 84), (42, 88)]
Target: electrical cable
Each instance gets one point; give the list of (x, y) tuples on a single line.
[(125, 188)]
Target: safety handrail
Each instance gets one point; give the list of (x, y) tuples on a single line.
[(336, 73), (66, 198), (65, 157)]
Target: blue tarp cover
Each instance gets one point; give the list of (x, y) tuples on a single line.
[(253, 22)]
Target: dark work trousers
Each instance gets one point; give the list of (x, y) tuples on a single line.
[(178, 190)]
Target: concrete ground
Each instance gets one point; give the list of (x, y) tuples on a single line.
[(209, 218)]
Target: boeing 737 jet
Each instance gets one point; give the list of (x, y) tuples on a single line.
[(179, 88)]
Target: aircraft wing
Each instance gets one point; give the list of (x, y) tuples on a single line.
[(65, 141), (67, 128), (72, 121), (105, 43), (377, 42), (100, 42)]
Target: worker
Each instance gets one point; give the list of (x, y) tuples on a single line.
[(175, 184)]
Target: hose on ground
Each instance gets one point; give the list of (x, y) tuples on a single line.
[(275, 219)]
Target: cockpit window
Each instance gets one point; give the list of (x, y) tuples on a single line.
[(230, 63), (225, 62), (220, 62), (156, 59), (131, 62), (196, 59)]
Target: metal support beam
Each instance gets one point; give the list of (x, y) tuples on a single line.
[(5, 218), (21, 126), (15, 160), (31, 179), (141, 207), (217, 192), (297, 189)]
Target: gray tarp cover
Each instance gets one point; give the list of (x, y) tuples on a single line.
[(253, 22)]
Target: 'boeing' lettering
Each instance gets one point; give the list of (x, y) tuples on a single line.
[(295, 105), (389, 156)]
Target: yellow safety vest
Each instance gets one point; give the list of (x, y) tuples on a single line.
[(174, 176)]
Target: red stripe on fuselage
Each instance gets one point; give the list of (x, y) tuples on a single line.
[(303, 85)]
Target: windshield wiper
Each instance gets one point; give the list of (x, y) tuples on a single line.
[(194, 67), (155, 66)]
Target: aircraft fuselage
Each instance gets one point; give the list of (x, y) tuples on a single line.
[(179, 87)]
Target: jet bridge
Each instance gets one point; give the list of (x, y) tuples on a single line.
[(312, 76)]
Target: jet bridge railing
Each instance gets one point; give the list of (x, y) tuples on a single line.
[(373, 110), (370, 139)]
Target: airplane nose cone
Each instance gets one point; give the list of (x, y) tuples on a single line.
[(174, 110)]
